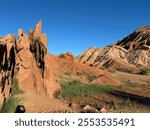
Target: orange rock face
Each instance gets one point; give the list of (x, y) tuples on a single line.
[(68, 56), (80, 71), (27, 59), (7, 64), (33, 67)]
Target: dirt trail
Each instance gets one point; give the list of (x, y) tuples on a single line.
[(134, 78), (33, 102)]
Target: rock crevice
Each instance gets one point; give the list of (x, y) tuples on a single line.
[(7, 65), (132, 51), (27, 58)]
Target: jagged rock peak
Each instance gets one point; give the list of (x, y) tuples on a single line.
[(27, 59), (132, 51), (34, 35), (136, 40), (32, 62), (38, 29), (144, 29)]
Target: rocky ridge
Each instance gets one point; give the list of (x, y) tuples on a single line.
[(27, 60), (7, 66), (132, 51), (32, 62)]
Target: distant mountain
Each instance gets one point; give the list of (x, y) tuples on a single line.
[(132, 51)]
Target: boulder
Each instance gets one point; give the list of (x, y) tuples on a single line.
[(103, 110), (90, 109), (68, 56)]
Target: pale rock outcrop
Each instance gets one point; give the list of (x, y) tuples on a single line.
[(131, 52)]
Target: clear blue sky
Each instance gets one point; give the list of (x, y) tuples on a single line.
[(75, 25)]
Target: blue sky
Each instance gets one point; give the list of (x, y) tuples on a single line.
[(75, 25)]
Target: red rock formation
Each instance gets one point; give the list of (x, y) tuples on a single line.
[(68, 56), (33, 67), (28, 59), (7, 64), (84, 72)]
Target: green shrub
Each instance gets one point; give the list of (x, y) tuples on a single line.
[(15, 87), (76, 88), (145, 71), (88, 76), (102, 67), (75, 82), (10, 105), (112, 71)]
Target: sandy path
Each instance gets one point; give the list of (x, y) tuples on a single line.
[(33, 102), (135, 78)]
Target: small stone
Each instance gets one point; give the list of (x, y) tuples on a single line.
[(103, 110), (90, 109)]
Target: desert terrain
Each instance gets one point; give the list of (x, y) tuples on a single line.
[(115, 78)]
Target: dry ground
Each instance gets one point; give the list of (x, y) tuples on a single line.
[(132, 96), (33, 102)]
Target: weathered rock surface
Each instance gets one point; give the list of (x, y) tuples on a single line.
[(68, 70), (131, 52), (68, 56), (28, 59), (7, 65), (32, 62)]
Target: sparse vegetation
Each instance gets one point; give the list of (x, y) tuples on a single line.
[(112, 71), (145, 71), (130, 84), (127, 70), (102, 67), (68, 73), (76, 88), (88, 76), (15, 87), (126, 106), (10, 105)]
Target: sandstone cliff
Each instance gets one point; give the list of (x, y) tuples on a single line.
[(7, 65), (27, 59), (33, 67)]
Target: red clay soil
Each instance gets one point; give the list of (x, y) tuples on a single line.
[(59, 65)]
